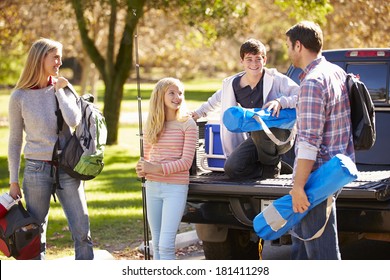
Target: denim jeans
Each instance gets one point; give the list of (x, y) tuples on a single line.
[(165, 207), (248, 159), (326, 246), (37, 186)]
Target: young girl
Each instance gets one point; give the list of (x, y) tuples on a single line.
[(32, 110), (169, 147)]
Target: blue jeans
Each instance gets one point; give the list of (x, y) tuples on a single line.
[(37, 186), (165, 207), (326, 246)]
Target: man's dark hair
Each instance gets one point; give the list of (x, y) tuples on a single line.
[(308, 33), (252, 46)]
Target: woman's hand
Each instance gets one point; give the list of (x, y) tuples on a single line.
[(61, 83), (14, 190)]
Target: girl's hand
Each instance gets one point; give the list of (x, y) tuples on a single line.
[(140, 168), (145, 167)]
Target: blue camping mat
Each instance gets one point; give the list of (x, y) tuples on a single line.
[(238, 119), (278, 217)]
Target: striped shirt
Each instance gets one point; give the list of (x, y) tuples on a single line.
[(323, 110), (174, 150)]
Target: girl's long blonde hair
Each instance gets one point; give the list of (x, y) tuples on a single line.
[(156, 117), (34, 68)]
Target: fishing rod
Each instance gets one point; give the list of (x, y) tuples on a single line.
[(141, 144)]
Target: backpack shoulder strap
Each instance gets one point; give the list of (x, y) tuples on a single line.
[(72, 90), (56, 148)]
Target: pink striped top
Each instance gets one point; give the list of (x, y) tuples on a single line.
[(174, 150)]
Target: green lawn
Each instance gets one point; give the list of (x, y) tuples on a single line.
[(114, 197)]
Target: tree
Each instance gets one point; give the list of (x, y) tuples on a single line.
[(212, 18), (314, 10), (183, 37), (357, 24), (22, 22)]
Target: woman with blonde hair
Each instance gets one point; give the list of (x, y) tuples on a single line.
[(32, 111), (169, 146)]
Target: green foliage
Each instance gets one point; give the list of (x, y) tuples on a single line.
[(12, 56), (213, 19), (315, 10)]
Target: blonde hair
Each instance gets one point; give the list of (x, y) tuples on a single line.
[(34, 67), (156, 117)]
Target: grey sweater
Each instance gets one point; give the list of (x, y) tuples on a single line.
[(33, 111)]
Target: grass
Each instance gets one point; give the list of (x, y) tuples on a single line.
[(114, 197)]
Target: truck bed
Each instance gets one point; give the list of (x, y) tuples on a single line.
[(370, 185), (363, 203)]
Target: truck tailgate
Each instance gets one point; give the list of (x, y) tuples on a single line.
[(370, 185)]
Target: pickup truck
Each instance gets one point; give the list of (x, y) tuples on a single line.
[(223, 210)]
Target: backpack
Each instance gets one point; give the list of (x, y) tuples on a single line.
[(20, 234), (362, 113), (82, 155)]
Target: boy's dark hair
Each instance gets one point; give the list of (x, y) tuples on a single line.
[(252, 46), (308, 33)]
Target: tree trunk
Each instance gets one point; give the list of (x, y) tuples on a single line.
[(112, 104)]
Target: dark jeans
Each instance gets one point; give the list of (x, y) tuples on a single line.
[(326, 246), (248, 159)]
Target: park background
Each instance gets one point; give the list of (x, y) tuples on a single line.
[(196, 41)]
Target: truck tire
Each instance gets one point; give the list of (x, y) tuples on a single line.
[(237, 246)]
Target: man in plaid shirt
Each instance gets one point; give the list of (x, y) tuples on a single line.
[(324, 130)]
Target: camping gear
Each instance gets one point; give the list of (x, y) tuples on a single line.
[(20, 234), (238, 119), (6, 202), (278, 217), (362, 113), (144, 206), (213, 148)]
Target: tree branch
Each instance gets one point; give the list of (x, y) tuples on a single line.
[(111, 39), (88, 43)]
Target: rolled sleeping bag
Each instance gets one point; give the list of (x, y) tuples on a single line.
[(278, 217), (238, 119)]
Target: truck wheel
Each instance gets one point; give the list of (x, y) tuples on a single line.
[(237, 246), (217, 250)]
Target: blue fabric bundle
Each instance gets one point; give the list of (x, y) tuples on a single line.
[(238, 119), (279, 217)]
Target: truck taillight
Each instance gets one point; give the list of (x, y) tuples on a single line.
[(368, 53)]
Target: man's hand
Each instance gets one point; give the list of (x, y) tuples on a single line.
[(300, 202)]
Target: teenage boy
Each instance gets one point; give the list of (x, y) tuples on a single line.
[(253, 155)]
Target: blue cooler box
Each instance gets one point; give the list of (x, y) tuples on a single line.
[(213, 147)]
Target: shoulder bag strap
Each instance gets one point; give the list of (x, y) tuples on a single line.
[(321, 230), (56, 151), (271, 135)]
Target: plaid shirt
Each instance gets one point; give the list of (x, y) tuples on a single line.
[(323, 110)]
